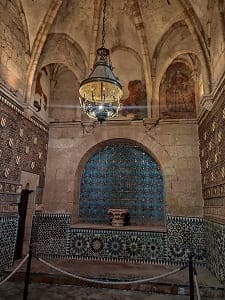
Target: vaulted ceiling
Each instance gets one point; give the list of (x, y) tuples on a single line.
[(144, 37)]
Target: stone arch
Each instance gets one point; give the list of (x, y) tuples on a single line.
[(197, 31), (39, 44), (159, 70), (150, 145), (134, 54), (204, 64), (130, 50), (141, 33), (50, 81), (60, 48), (161, 42)]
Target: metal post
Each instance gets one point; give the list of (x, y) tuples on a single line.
[(191, 277), (27, 275), (224, 288)]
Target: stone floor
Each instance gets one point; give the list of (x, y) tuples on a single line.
[(50, 284), (38, 291)]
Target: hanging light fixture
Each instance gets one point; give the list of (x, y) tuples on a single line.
[(101, 92)]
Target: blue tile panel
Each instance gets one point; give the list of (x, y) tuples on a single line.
[(122, 175), (8, 231), (115, 245), (53, 238), (215, 251)]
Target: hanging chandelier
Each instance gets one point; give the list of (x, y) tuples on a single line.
[(101, 92)]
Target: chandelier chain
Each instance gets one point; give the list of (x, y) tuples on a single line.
[(103, 23)]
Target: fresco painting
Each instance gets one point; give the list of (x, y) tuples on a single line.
[(177, 92), (134, 107)]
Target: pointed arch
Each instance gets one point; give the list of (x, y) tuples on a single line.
[(197, 31), (39, 44)]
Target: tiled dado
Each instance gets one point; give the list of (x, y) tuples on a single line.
[(53, 237), (215, 250), (116, 245), (8, 231), (50, 233)]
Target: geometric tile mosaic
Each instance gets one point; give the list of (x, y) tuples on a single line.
[(115, 245), (53, 237), (122, 175), (185, 235), (215, 250), (8, 232), (49, 234)]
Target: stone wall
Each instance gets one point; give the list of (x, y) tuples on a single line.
[(14, 45), (174, 145)]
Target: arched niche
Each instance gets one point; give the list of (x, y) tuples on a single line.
[(178, 41), (61, 48), (55, 93), (120, 173)]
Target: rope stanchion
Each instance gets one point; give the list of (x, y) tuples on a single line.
[(191, 276), (15, 270), (196, 285), (109, 282), (27, 275)]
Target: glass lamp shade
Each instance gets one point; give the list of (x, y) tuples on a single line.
[(101, 92)]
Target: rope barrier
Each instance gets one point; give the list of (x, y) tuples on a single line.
[(14, 271), (109, 282), (196, 284)]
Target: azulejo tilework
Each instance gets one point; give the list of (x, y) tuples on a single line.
[(54, 237), (49, 234), (122, 175), (8, 230), (185, 235), (215, 251), (116, 245)]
